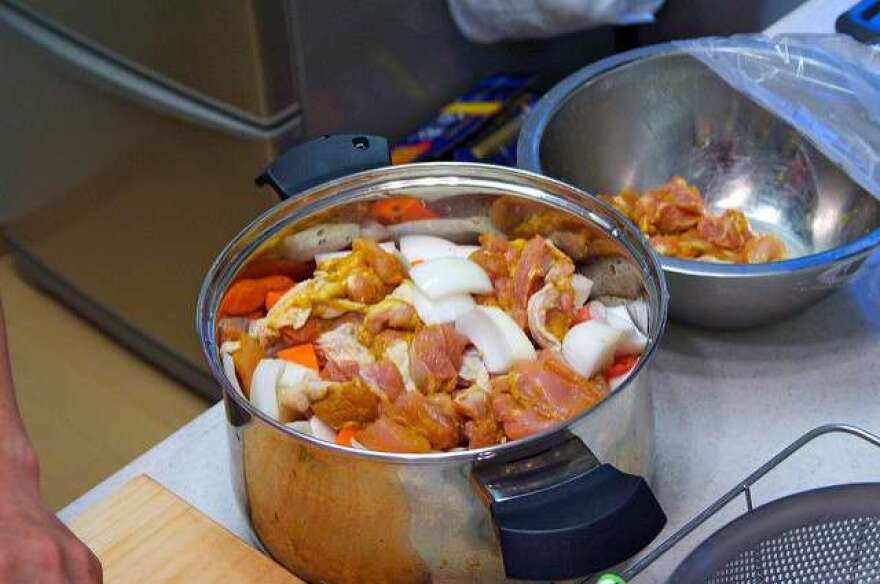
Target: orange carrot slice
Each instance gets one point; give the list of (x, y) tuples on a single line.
[(271, 298), (400, 209), (248, 295), (301, 355), (345, 435)]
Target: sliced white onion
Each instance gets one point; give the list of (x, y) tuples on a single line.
[(405, 291), (582, 288), (598, 311), (263, 386), (322, 430), (330, 255), (632, 341), (320, 258), (480, 329), (589, 347), (448, 276), (441, 310), (496, 336), (229, 370), (256, 328), (423, 248), (230, 347), (465, 251), (426, 247), (301, 426), (520, 345), (616, 382)]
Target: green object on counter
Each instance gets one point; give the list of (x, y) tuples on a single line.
[(610, 579)]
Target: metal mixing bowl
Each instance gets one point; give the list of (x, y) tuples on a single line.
[(639, 117)]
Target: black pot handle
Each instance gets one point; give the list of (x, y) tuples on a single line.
[(560, 518), (323, 159)]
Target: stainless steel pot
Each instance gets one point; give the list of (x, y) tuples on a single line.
[(558, 505), (637, 118)]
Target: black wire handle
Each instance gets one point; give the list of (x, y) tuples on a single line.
[(743, 487)]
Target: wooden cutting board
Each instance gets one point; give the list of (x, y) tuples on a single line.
[(145, 533)]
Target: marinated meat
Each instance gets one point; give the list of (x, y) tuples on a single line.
[(385, 265), (386, 435), (365, 287), (383, 376), (245, 360), (341, 344), (435, 357), (392, 313), (729, 230), (675, 219), (432, 417), (764, 248), (537, 394), (347, 402), (520, 268), (480, 428), (308, 333), (517, 420), (343, 285), (340, 370), (378, 372)]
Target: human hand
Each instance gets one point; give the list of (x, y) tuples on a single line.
[(35, 547)]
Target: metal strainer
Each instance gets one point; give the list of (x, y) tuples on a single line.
[(822, 536)]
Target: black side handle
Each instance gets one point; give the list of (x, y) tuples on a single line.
[(324, 159), (577, 528)]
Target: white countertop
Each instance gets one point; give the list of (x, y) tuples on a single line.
[(725, 403)]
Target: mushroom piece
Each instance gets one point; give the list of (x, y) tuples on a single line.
[(456, 230), (614, 276), (326, 237)]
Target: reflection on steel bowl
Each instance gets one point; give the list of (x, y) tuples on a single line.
[(417, 410), (636, 118)]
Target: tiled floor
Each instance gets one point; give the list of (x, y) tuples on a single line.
[(90, 405)]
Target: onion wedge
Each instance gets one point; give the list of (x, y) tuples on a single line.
[(449, 276), (589, 347)]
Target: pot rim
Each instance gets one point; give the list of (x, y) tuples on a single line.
[(529, 158), (371, 182)]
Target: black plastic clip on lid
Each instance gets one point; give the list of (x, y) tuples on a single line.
[(324, 159)]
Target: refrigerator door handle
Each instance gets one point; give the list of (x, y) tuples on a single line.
[(122, 80)]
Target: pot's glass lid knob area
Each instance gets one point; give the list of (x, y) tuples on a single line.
[(562, 514)]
